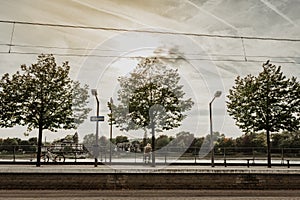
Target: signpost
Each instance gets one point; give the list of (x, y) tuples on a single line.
[(96, 147), (97, 118)]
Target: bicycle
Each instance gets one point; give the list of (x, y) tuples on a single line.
[(45, 157)]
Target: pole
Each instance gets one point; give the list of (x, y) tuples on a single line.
[(153, 143), (97, 135), (217, 94), (110, 135), (211, 136)]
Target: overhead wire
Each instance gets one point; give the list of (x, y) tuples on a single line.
[(124, 51), (149, 31), (164, 57), (211, 56)]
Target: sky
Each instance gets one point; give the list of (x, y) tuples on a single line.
[(219, 39)]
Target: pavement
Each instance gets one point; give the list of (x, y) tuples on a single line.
[(150, 195), (17, 168)]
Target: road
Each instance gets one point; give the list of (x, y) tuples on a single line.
[(150, 194)]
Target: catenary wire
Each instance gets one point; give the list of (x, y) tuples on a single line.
[(140, 57), (149, 31)]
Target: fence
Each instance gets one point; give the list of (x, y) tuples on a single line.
[(80, 153)]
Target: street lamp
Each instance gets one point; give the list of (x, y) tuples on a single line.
[(111, 123), (217, 94), (96, 147)]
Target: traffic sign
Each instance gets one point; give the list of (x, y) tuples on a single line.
[(97, 118)]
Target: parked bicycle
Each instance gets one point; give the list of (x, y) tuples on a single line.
[(55, 157)]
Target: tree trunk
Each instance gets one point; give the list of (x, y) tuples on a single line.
[(38, 156), (153, 143), (268, 125), (269, 149)]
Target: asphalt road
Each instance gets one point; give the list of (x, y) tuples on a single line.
[(150, 194)]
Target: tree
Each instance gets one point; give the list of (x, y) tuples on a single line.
[(252, 140), (286, 139), (196, 145), (151, 97), (26, 146), (42, 96), (89, 141), (10, 144), (33, 141), (161, 141), (269, 102), (121, 139), (183, 140), (225, 142)]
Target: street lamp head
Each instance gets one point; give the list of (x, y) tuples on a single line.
[(94, 92), (218, 94)]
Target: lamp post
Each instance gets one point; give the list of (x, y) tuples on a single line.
[(111, 123), (96, 147), (217, 94)]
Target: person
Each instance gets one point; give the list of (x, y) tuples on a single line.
[(147, 153)]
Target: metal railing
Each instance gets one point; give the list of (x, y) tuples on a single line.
[(191, 155)]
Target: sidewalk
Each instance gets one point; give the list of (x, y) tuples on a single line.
[(146, 169)]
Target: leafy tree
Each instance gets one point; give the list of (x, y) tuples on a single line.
[(269, 102), (33, 140), (252, 140), (103, 141), (121, 139), (196, 145), (151, 97), (26, 146), (9, 144), (224, 141), (286, 139), (42, 96), (183, 140), (89, 141), (161, 141)]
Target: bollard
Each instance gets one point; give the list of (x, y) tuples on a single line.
[(248, 162), (225, 164), (288, 163)]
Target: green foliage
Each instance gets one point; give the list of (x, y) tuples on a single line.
[(33, 141), (183, 139), (10, 144), (103, 141), (286, 139), (269, 101), (79, 102), (225, 142), (151, 95), (161, 141), (42, 96), (121, 139), (252, 140), (24, 145), (89, 140), (110, 115)]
